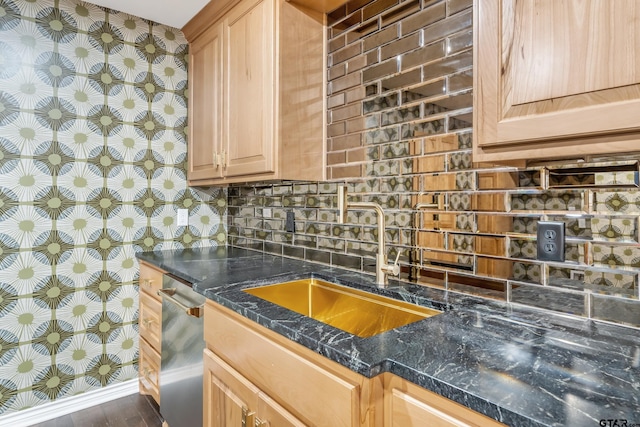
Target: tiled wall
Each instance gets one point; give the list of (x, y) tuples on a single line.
[(400, 114), (92, 170)]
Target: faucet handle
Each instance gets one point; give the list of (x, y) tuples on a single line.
[(394, 268)]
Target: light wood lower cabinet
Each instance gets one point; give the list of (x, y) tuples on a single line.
[(254, 375), (150, 326), (408, 405), (289, 381), (149, 371), (232, 400)]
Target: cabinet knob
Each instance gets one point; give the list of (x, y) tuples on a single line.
[(147, 283)]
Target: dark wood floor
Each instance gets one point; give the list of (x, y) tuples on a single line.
[(129, 411)]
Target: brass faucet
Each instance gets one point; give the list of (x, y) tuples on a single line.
[(383, 269)]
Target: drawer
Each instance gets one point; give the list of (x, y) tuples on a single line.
[(150, 280), (311, 392), (150, 320), (149, 371)]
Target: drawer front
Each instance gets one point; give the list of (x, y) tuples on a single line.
[(150, 280), (311, 393), (149, 370), (150, 320)]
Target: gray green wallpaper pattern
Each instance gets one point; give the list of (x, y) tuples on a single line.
[(92, 169)]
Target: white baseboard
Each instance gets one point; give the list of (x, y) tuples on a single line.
[(67, 405)]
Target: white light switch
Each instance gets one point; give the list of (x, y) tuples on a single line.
[(266, 213), (183, 218)]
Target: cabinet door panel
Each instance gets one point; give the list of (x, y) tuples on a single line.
[(150, 320), (408, 405), (249, 79), (407, 411), (272, 414), (556, 78), (149, 370), (205, 105), (228, 397)]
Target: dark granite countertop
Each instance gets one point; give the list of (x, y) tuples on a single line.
[(523, 367)]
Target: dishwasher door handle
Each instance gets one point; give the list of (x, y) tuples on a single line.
[(167, 294)]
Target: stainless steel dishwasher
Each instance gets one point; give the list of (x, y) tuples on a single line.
[(181, 367)]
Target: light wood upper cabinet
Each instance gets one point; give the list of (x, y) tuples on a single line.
[(556, 78), (205, 105), (257, 93), (249, 75)]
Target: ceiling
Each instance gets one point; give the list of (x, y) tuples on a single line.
[(169, 12)]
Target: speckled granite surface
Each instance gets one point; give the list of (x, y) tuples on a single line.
[(519, 366)]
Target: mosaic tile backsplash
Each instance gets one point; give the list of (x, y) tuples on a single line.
[(92, 169), (400, 118)]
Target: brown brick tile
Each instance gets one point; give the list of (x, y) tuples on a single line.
[(405, 9), (422, 19), (423, 55), (345, 53), (345, 142), (401, 46), (405, 79), (351, 171), (376, 7), (346, 82), (336, 157), (358, 155), (343, 113), (380, 38), (440, 143), (381, 70), (447, 26)]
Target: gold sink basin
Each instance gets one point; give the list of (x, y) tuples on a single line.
[(360, 313)]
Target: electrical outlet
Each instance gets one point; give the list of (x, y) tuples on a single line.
[(551, 241), (182, 219), (290, 224)]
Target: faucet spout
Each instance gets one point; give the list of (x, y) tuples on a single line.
[(383, 269)]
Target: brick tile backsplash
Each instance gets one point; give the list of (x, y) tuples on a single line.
[(399, 133)]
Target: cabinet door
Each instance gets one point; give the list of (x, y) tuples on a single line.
[(150, 320), (272, 414), (408, 405), (556, 78), (228, 397), (249, 32), (149, 371), (205, 105)]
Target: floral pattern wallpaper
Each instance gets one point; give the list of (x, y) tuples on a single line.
[(93, 116)]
